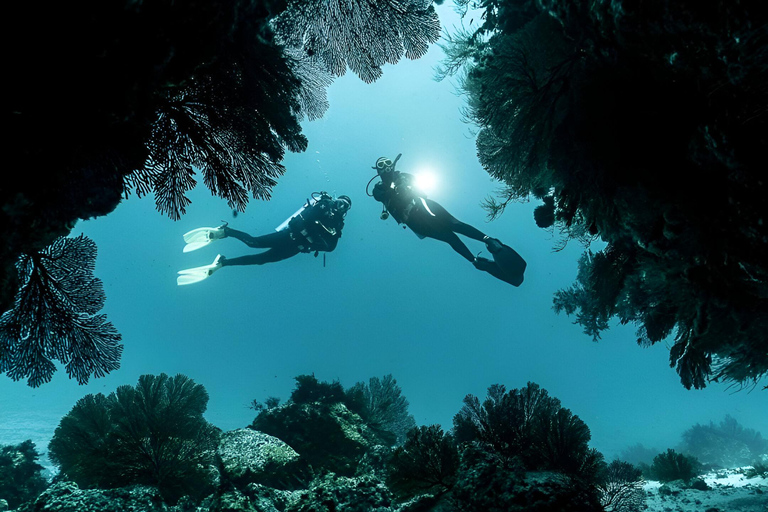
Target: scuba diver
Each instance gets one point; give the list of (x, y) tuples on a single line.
[(428, 219), (316, 227)]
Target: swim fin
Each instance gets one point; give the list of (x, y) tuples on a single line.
[(201, 237), (510, 266), (197, 274)]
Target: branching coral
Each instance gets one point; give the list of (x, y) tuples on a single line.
[(361, 35), (529, 425), (426, 462), (671, 465), (621, 488), (152, 434), (55, 317), (608, 111), (21, 477), (727, 444), (383, 407)]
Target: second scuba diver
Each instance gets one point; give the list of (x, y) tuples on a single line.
[(401, 199), (315, 228)]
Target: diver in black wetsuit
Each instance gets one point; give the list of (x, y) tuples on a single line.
[(315, 228), (427, 218)]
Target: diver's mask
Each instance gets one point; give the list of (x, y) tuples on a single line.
[(343, 203), (385, 165)]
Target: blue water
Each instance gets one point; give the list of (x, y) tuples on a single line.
[(385, 301)]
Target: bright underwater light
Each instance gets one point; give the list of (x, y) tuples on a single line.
[(426, 181)]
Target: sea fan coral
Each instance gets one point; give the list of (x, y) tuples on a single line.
[(152, 434), (55, 317)]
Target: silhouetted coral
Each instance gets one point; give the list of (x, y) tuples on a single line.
[(383, 407), (670, 465), (727, 444), (151, 434), (608, 112), (21, 477), (361, 35), (621, 488), (55, 317), (529, 425), (309, 389), (427, 462)]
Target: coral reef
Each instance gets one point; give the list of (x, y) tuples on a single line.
[(383, 407), (426, 463), (621, 488), (726, 445), (607, 112), (316, 423), (670, 465), (529, 425), (517, 450), (56, 317), (21, 477), (151, 434)]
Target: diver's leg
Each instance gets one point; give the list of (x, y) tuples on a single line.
[(258, 242), (272, 255), (455, 224), (451, 239)]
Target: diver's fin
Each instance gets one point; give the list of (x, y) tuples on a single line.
[(201, 237), (510, 266), (197, 274)]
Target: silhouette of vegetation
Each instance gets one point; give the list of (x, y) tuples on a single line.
[(426, 462), (308, 389), (528, 425), (160, 95), (671, 465), (383, 407), (363, 37), (55, 317), (727, 444), (151, 434), (21, 477), (610, 113), (621, 488)]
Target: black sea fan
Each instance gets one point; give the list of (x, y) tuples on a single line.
[(151, 434), (428, 461), (529, 425), (55, 317), (361, 35), (671, 465), (382, 406)]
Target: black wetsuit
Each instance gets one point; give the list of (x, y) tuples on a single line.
[(425, 217), (317, 228)]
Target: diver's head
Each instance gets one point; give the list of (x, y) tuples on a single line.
[(343, 203), (386, 165)]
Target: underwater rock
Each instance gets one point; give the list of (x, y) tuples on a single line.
[(68, 497), (249, 456), (327, 436), (332, 493), (483, 488)]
